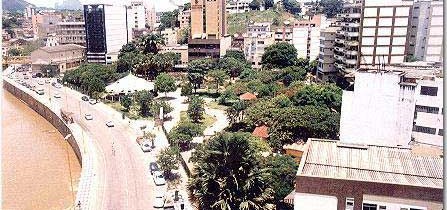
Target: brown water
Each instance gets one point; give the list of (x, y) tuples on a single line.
[(35, 169)]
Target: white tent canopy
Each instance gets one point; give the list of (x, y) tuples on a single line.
[(129, 84)]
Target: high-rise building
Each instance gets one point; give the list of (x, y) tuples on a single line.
[(326, 70), (238, 6), (106, 31), (71, 33), (184, 18), (136, 15), (44, 23), (257, 38), (208, 29), (426, 31)]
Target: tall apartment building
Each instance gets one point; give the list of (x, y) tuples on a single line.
[(151, 17), (257, 38), (426, 31), (326, 70), (44, 23), (29, 11), (404, 106), (346, 48), (106, 31), (237, 6), (184, 18), (208, 29), (136, 15), (384, 31), (71, 33)]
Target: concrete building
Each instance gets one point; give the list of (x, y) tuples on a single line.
[(29, 12), (136, 15), (150, 15), (181, 50), (208, 30), (384, 31), (257, 38), (426, 31), (184, 18), (66, 57), (71, 33), (170, 35), (106, 32), (403, 106), (326, 70), (336, 176), (51, 40), (44, 23), (346, 48), (237, 6)]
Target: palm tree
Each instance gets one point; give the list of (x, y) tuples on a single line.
[(228, 175), (151, 42)]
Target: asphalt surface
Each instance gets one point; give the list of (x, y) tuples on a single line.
[(125, 182)]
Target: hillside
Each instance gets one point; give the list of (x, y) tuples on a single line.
[(14, 5), (237, 23)]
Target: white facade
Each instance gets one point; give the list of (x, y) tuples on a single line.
[(237, 6), (392, 108), (116, 28), (300, 40), (257, 38), (51, 40), (314, 202), (136, 15), (326, 68), (170, 36)]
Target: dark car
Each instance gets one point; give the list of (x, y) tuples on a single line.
[(153, 167), (84, 98)]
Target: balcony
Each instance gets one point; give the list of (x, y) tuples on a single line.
[(354, 25), (338, 66), (350, 61), (350, 52), (338, 57), (338, 40), (353, 15), (352, 43), (339, 49)]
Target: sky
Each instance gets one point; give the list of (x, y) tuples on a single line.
[(160, 5)]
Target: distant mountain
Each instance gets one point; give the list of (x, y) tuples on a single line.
[(15, 5), (69, 5)]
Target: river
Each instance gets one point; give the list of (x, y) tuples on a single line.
[(35, 169)]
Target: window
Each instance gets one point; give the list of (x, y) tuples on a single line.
[(441, 132), (382, 207), (367, 206), (423, 129), (427, 109), (349, 203), (429, 91)]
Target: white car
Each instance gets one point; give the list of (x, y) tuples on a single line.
[(145, 146), (110, 124), (57, 85), (92, 101), (88, 117), (40, 91), (40, 82), (47, 81), (159, 201), (57, 95), (159, 179)]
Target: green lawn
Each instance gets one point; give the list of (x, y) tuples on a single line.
[(132, 114), (206, 122), (215, 105), (237, 23)]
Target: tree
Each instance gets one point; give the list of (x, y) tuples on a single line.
[(328, 95), (165, 83), (49, 70), (128, 48), (186, 89), (228, 175), (126, 102), (195, 109), (168, 160), (293, 73), (292, 6), (236, 54), (94, 85), (254, 5), (125, 62), (169, 19), (268, 3), (14, 52), (282, 170), (150, 43), (184, 35), (145, 99), (279, 55), (157, 104), (235, 112), (331, 7), (232, 66), (183, 134), (218, 77), (197, 69), (182, 140)]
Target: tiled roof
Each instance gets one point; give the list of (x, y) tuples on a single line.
[(261, 132), (247, 96), (60, 48), (393, 165)]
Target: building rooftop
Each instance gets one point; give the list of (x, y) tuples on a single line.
[(247, 96), (61, 48), (368, 163), (261, 132)]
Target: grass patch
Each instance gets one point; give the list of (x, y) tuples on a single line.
[(133, 114), (237, 23), (215, 105), (206, 122)]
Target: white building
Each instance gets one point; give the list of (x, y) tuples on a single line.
[(237, 6), (136, 15), (326, 70), (150, 14), (257, 38), (393, 107), (426, 31), (170, 36), (106, 31)]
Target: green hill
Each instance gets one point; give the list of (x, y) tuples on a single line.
[(237, 23), (14, 5)]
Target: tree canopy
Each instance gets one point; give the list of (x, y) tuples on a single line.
[(279, 55), (164, 83)]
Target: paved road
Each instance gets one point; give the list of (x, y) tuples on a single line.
[(125, 182)]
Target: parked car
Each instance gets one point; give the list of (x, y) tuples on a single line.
[(57, 95), (57, 85), (92, 101), (47, 81), (145, 146), (159, 179), (110, 124), (153, 166), (25, 77), (40, 91), (88, 117), (40, 82), (84, 98), (159, 201)]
